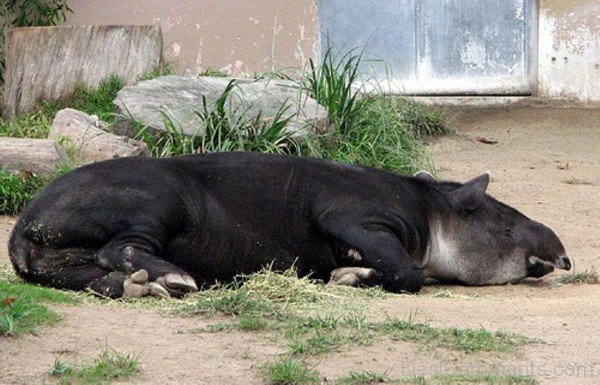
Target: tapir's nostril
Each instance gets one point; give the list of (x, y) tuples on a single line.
[(564, 263)]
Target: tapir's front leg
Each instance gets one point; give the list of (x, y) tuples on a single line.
[(375, 254)]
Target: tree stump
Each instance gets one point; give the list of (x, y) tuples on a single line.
[(85, 138), (45, 63), (39, 156)]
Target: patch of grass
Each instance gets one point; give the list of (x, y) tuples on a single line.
[(252, 322), (487, 379), (108, 366), (379, 138), (590, 276), (276, 296), (373, 130), (368, 377), (288, 371), (465, 340), (97, 101), (17, 189), (166, 69), (36, 124), (315, 319), (213, 72), (22, 307), (363, 377)]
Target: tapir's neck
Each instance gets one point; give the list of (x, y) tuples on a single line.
[(440, 260)]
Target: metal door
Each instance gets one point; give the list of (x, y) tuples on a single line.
[(436, 46)]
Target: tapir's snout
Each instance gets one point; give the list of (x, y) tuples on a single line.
[(563, 262)]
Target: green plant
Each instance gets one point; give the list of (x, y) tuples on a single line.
[(372, 130), (213, 72), (590, 276), (28, 13), (108, 366), (378, 138), (331, 84), (287, 371), (22, 307), (363, 377), (165, 69), (225, 127), (16, 189)]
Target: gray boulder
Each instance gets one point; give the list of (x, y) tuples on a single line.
[(179, 98), (86, 137)]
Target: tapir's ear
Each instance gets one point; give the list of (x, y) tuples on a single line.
[(469, 196), (424, 175)]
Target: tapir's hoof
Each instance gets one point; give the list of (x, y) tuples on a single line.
[(181, 282), (351, 276), (133, 289), (158, 290), (171, 284), (140, 276)]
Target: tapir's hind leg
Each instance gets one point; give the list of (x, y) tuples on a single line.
[(73, 269)]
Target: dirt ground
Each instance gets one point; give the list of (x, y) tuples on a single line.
[(546, 163)]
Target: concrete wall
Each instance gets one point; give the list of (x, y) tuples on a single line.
[(236, 36), (569, 49), (247, 36)]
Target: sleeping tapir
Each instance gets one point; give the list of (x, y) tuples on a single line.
[(138, 226)]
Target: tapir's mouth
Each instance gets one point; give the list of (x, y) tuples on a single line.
[(563, 262)]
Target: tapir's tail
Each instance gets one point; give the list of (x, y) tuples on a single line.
[(18, 250)]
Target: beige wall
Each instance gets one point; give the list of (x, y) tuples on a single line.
[(236, 36), (569, 49), (247, 36)]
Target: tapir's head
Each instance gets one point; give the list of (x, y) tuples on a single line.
[(478, 240)]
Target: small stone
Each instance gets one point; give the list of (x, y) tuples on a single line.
[(140, 276)]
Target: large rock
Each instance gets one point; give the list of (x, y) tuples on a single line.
[(179, 98), (86, 137)]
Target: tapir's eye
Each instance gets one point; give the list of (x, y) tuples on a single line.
[(509, 232)]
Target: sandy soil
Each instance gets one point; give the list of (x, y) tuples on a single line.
[(546, 163)]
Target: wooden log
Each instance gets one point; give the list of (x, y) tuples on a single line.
[(86, 140), (45, 63), (39, 156)]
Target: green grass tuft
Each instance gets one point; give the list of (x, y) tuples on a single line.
[(22, 307), (379, 138), (252, 322), (16, 189), (363, 377), (590, 276), (487, 379), (224, 129), (163, 70), (213, 72), (288, 371), (108, 366)]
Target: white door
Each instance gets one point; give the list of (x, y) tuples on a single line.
[(436, 47)]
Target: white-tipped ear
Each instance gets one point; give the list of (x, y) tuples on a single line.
[(470, 195), (424, 175)]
